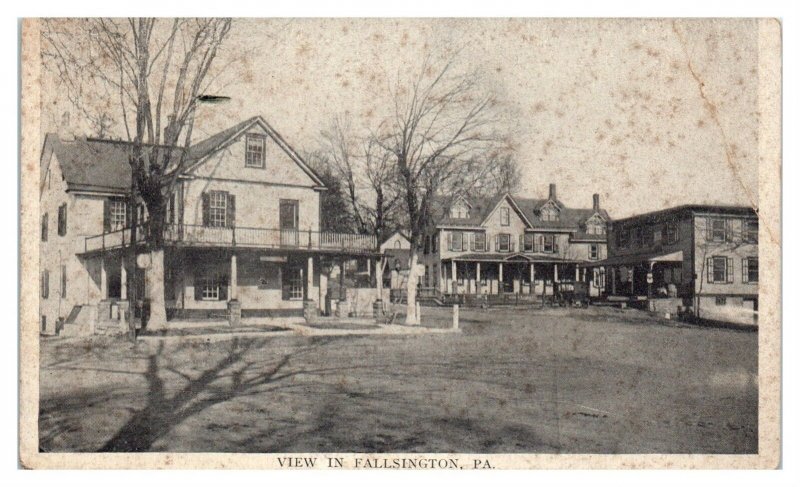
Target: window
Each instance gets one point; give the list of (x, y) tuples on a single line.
[(117, 210), (435, 243), (255, 153), (459, 211), (292, 282), (623, 237), (480, 241), (457, 242), (547, 244), (638, 239), (750, 270), (719, 270), (44, 228), (45, 283), (750, 231), (505, 219), (427, 249), (44, 323), (670, 233), (527, 242), (211, 286), (397, 243), (717, 230), (62, 219), (63, 281), (548, 214), (503, 243), (721, 300), (595, 228), (217, 208), (290, 215), (593, 251)]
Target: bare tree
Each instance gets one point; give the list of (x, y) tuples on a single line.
[(339, 143), (152, 74), (443, 121)]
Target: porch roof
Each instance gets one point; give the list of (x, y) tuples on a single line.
[(510, 257), (676, 256)]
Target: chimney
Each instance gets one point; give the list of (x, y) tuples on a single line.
[(552, 191), (596, 202)]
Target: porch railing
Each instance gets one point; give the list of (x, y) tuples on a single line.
[(239, 237)]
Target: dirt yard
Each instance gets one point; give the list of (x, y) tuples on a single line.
[(577, 381)]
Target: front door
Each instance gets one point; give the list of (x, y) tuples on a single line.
[(289, 222)]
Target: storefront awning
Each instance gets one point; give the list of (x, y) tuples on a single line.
[(634, 259)]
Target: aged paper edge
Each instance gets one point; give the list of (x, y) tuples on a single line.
[(769, 334)]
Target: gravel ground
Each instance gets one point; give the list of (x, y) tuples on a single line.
[(523, 381)]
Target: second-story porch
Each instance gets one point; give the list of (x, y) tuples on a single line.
[(183, 235)]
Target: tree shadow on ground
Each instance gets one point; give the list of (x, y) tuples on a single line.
[(164, 411)]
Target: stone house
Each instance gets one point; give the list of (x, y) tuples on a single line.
[(242, 225)]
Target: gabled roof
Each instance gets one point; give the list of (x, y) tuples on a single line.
[(102, 165), (396, 232), (199, 152), (90, 164), (571, 219)]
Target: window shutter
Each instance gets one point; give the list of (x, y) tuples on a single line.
[(471, 241), (44, 227), (521, 243), (230, 218), (206, 206), (285, 294), (710, 270), (729, 270), (63, 281), (106, 215), (496, 243), (223, 288), (46, 285), (709, 229), (745, 265), (198, 288), (729, 233), (450, 241), (62, 220)]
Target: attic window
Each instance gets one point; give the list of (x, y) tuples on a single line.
[(255, 150), (459, 211), (549, 214)]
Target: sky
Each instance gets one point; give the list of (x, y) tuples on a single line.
[(647, 113)]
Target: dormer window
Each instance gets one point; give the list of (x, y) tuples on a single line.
[(548, 214), (459, 211), (255, 148)]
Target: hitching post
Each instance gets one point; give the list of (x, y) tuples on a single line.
[(455, 317)]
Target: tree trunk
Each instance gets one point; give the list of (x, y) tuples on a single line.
[(155, 291), (411, 290)]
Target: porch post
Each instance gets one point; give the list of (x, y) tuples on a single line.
[(532, 289), (310, 278), (555, 272), (123, 280), (633, 291), (454, 274), (103, 279), (577, 273), (500, 287), (613, 280), (478, 277), (234, 294)]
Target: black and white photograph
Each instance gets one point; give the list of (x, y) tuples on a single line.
[(402, 243)]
